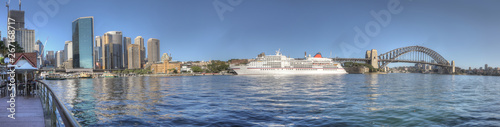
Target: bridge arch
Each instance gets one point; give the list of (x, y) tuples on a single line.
[(393, 56)]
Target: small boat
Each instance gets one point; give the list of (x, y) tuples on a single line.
[(84, 75), (54, 77), (109, 75)]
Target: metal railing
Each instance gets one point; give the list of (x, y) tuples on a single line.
[(54, 108)]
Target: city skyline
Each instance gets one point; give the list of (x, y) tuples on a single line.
[(194, 31)]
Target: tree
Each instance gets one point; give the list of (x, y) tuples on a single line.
[(352, 64), (4, 49), (217, 66), (196, 69)]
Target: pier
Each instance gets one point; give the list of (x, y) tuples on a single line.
[(37, 108), (29, 112)]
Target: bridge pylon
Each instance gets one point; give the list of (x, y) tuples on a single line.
[(453, 67), (373, 58)]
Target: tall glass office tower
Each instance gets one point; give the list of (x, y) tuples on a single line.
[(83, 39)]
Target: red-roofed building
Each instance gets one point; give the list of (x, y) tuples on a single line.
[(28, 57)]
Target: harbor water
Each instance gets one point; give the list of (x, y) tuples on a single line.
[(316, 100)]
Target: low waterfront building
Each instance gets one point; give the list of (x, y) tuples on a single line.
[(202, 64), (68, 64), (238, 61), (166, 67), (186, 67)]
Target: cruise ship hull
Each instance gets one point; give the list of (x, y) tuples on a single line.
[(242, 70)]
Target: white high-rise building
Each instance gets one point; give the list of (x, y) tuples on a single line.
[(59, 58), (68, 50), (26, 39)]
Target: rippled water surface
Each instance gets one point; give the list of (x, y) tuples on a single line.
[(329, 100)]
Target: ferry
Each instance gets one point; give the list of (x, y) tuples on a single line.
[(109, 75), (54, 77), (281, 65), (84, 75)]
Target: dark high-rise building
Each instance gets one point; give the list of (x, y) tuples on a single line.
[(126, 41), (50, 58), (17, 15), (83, 40), (24, 37)]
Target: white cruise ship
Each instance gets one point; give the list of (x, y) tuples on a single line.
[(279, 64)]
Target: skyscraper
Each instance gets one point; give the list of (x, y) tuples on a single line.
[(50, 58), (98, 52), (83, 39), (139, 40), (68, 49), (59, 58), (18, 16), (134, 55), (26, 39), (153, 50), (39, 53), (126, 41), (112, 41)]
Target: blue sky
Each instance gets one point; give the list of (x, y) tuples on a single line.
[(460, 30)]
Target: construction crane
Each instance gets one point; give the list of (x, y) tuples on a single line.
[(7, 5)]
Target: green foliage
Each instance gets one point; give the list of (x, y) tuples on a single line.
[(352, 64), (4, 49), (126, 71), (217, 66), (133, 71), (196, 69), (207, 71)]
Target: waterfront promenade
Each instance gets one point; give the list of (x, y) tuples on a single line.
[(29, 112)]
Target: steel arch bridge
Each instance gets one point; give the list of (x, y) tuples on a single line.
[(410, 54)]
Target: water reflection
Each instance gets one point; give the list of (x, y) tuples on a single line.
[(330, 100)]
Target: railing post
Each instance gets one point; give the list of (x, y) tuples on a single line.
[(54, 115)]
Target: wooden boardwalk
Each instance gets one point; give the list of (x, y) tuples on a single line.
[(29, 112)]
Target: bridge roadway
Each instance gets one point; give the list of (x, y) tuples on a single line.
[(386, 60)]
